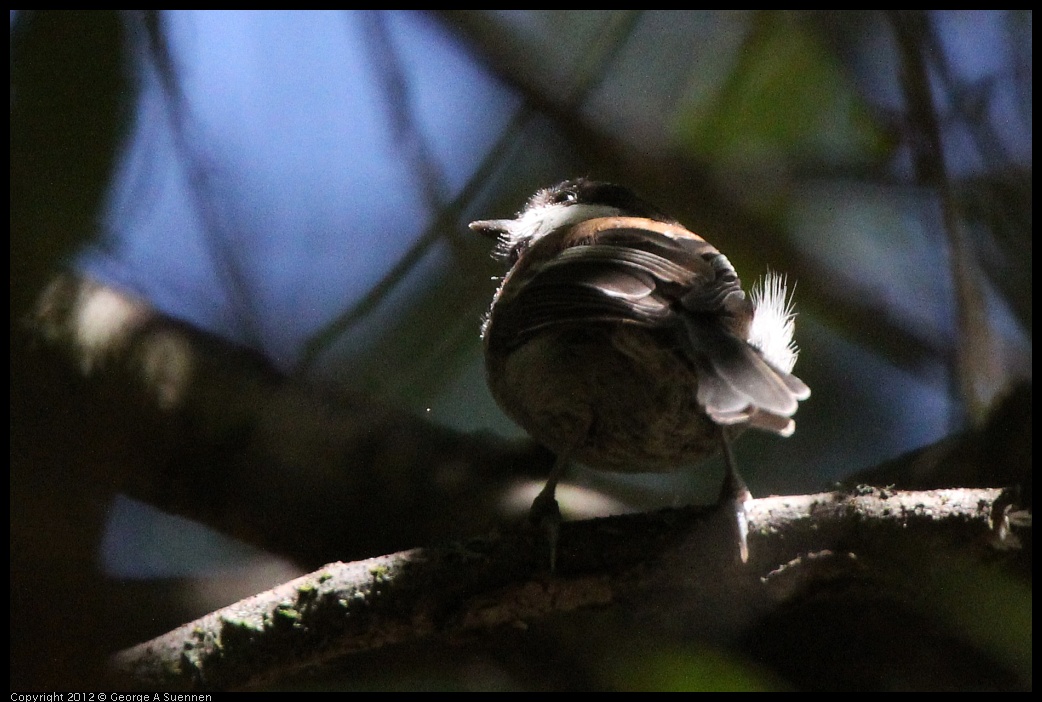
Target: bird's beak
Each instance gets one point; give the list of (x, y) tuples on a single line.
[(492, 227)]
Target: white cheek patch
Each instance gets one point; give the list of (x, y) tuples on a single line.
[(532, 225)]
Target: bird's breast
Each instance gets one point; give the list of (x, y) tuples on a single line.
[(615, 397)]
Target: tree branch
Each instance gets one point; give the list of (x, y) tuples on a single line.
[(500, 581), (195, 425)]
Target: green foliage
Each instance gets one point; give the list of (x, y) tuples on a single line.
[(785, 98)]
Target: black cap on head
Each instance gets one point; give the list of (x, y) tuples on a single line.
[(596, 192)]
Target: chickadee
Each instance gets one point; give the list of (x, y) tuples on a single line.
[(622, 340)]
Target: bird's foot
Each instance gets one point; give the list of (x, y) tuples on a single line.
[(545, 514)]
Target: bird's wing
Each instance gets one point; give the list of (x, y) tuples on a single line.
[(612, 270), (623, 271)]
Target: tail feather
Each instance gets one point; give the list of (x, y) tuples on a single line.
[(736, 385)]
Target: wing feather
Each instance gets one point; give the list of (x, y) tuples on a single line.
[(614, 272)]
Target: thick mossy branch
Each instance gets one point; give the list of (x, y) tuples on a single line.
[(501, 580)]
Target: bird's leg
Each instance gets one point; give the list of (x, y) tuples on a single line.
[(545, 513), (734, 495)]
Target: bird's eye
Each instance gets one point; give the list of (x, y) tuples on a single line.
[(564, 197)]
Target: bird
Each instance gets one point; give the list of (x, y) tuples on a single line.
[(620, 339)]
